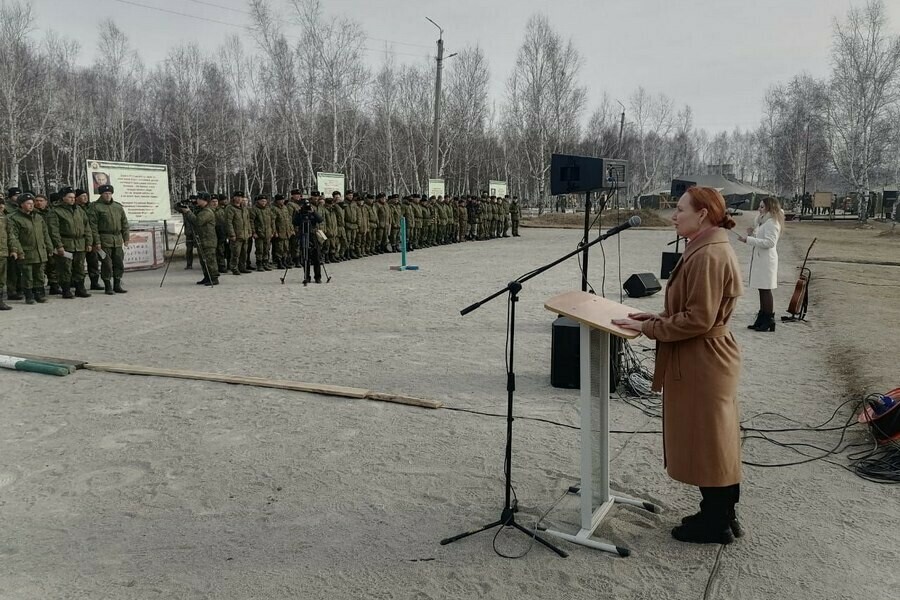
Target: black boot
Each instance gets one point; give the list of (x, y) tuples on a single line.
[(14, 295), (758, 320), (29, 297), (108, 288), (80, 292), (704, 530), (39, 295), (55, 289), (4, 305), (67, 292), (736, 529), (203, 281), (117, 288), (767, 323), (95, 283)]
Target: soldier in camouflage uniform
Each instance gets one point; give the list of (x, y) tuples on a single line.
[(351, 225), (504, 215), (362, 238), (82, 200), (409, 215), (263, 230), (32, 247), (383, 219), (282, 231), (70, 232), (189, 237), (373, 224), (13, 287), (203, 224), (396, 214), (340, 214), (293, 205), (217, 205), (237, 226), (42, 207), (515, 213), (108, 220), (8, 246)]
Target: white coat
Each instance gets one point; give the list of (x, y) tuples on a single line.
[(764, 260)]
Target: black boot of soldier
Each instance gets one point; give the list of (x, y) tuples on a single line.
[(67, 292), (39, 296), (95, 283), (80, 292), (117, 288), (108, 288), (55, 289)]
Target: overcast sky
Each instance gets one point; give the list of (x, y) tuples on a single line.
[(718, 56)]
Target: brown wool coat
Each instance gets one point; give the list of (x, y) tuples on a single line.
[(698, 365)]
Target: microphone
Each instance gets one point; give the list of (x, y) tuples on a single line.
[(632, 222)]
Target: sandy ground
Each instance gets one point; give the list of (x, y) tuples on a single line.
[(127, 487)]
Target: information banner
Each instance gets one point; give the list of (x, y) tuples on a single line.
[(146, 249), (435, 187), (497, 188), (328, 183), (142, 189)]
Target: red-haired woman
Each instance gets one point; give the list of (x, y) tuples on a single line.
[(698, 365)]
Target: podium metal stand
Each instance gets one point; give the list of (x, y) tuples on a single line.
[(595, 315)]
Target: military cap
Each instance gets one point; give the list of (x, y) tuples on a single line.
[(25, 196), (262, 197), (279, 197), (432, 198), (316, 194), (296, 192), (335, 193), (105, 188), (79, 192), (237, 194), (370, 196), (415, 196), (193, 197), (380, 195), (13, 191), (349, 192), (203, 196), (222, 197), (66, 190)]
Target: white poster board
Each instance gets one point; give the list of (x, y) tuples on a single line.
[(328, 183), (436, 187), (142, 189), (497, 188), (146, 249)]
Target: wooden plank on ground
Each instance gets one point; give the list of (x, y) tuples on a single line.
[(297, 386)]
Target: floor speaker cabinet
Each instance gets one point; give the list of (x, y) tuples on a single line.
[(565, 352), (642, 284), (669, 260)]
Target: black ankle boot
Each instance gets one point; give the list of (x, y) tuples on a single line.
[(4, 305), (117, 287), (67, 293), (704, 530), (39, 295), (55, 289), (767, 323), (95, 284), (80, 292), (29, 297), (759, 316), (736, 529), (108, 288)]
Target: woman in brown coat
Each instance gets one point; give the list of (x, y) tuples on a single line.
[(698, 365)]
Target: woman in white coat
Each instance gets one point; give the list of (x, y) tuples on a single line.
[(763, 238)]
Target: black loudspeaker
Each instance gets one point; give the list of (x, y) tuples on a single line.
[(679, 187), (641, 284), (565, 352), (669, 260)]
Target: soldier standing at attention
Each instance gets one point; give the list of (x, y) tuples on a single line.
[(33, 247), (189, 237), (221, 233), (41, 207), (237, 226), (82, 200), (362, 240), (340, 246), (262, 232), (373, 224), (13, 287), (293, 205), (70, 233), (504, 210), (282, 233), (351, 223), (7, 250), (515, 213), (396, 214), (383, 216), (109, 221), (203, 223), (329, 216)]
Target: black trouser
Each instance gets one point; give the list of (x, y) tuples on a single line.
[(312, 259), (719, 503)]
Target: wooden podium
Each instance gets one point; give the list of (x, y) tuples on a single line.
[(595, 315)]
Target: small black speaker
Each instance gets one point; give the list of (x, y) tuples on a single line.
[(669, 260), (641, 284), (565, 354)]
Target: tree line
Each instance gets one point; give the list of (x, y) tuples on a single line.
[(293, 95)]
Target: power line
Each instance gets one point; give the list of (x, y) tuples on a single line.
[(250, 29), (247, 12)]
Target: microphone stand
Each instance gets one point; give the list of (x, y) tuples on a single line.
[(507, 514)]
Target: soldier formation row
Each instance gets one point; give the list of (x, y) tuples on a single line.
[(354, 226), (51, 243)]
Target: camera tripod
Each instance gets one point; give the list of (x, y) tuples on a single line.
[(305, 236)]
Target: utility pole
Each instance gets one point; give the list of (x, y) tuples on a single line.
[(436, 133), (621, 131)]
